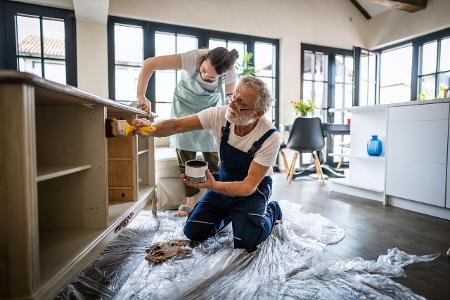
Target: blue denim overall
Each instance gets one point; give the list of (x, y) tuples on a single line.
[(252, 216)]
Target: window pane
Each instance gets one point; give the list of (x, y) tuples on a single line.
[(264, 59), (28, 36), (126, 82), (213, 43), (396, 75), (163, 110), (339, 95), (307, 90), (363, 87), (348, 69), (30, 65), (445, 55), (371, 94), (308, 61), (55, 70), (54, 39), (339, 61), (164, 44), (444, 83), (364, 65), (186, 43), (429, 55), (320, 95), (165, 85), (128, 44), (348, 95), (321, 67), (240, 47), (427, 87)]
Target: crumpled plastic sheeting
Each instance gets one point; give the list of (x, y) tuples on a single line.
[(289, 265)]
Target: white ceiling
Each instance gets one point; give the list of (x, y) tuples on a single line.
[(373, 9)]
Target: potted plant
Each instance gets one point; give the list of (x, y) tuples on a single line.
[(247, 69), (303, 108), (443, 91)]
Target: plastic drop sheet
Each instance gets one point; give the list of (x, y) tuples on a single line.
[(289, 265)]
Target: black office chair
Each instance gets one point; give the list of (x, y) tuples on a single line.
[(306, 136)]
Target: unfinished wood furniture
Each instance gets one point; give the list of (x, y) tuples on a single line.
[(66, 190)]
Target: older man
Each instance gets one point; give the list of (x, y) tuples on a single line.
[(248, 146)]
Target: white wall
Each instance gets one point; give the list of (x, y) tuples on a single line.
[(394, 25), (92, 58), (335, 23)]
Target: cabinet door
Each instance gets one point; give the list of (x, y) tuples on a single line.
[(417, 153)]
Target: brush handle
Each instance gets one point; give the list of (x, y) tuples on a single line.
[(147, 128)]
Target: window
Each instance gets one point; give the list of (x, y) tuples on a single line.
[(265, 63), (434, 69), (166, 44), (367, 78), (128, 59), (131, 41), (327, 79), (315, 78), (395, 75), (41, 40)]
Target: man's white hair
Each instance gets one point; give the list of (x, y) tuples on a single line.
[(264, 99)]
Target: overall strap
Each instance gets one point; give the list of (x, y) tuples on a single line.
[(257, 145), (225, 132)]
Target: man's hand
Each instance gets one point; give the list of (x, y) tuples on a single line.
[(138, 123), (208, 184), (144, 104)]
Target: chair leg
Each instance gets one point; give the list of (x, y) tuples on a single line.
[(340, 163), (286, 166), (318, 168), (288, 173), (292, 169)]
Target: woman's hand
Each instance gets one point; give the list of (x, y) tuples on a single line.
[(138, 123), (144, 104), (208, 184)]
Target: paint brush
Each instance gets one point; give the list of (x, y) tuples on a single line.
[(114, 128)]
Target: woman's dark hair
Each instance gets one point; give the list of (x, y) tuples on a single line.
[(221, 59)]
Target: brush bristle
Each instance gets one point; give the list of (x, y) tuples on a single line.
[(111, 128)]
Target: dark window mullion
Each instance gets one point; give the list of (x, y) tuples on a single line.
[(41, 29), (438, 62), (416, 69)]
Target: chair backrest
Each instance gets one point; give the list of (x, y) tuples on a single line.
[(306, 135)]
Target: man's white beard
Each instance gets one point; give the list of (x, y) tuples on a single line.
[(238, 120)]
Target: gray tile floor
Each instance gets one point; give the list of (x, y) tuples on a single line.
[(371, 229)]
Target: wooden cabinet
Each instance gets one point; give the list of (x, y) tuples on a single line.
[(66, 189)]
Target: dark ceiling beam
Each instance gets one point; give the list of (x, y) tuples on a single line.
[(406, 5), (361, 9)]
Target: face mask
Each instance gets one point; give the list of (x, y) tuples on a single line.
[(238, 120)]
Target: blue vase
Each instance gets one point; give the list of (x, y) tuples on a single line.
[(374, 146)]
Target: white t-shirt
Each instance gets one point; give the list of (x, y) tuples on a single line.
[(213, 118), (190, 63)]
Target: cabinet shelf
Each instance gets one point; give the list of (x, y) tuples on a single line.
[(59, 248), (47, 172)]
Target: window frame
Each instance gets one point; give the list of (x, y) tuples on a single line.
[(11, 9), (416, 43), (331, 52), (331, 71), (203, 36)]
